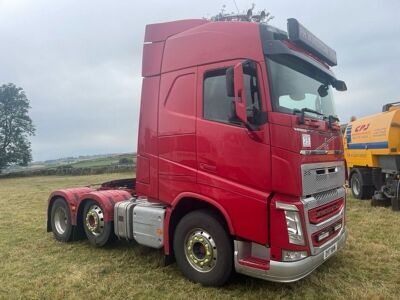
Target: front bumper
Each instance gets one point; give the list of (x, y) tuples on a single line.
[(291, 271)]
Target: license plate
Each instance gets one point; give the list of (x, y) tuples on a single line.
[(328, 252)]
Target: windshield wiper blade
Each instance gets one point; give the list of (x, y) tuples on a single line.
[(304, 110), (331, 119)]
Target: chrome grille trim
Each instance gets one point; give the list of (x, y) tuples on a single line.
[(320, 177), (316, 201), (323, 198)]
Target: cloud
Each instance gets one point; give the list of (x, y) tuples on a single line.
[(80, 61)]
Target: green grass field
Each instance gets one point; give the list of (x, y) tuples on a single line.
[(102, 162), (34, 265)]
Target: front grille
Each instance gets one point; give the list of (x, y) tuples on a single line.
[(320, 177), (323, 198), (322, 212)]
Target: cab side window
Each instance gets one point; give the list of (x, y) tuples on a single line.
[(217, 106)]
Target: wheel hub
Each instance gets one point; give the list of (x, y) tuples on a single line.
[(95, 220), (200, 250)]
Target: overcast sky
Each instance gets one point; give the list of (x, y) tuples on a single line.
[(79, 62)]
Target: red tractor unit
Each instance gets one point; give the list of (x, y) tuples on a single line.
[(239, 162)]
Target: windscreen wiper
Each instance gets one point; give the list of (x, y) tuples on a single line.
[(331, 119), (304, 110)]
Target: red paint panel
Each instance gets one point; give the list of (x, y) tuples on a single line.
[(283, 126), (286, 171), (177, 150), (143, 169), (279, 239), (177, 106), (248, 215), (161, 31), (152, 57), (212, 42), (172, 186), (147, 138)]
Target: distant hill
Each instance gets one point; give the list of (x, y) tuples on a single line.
[(79, 162)]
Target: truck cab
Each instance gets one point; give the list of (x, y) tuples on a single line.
[(240, 159)]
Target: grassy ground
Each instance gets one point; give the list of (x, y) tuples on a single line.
[(34, 265)]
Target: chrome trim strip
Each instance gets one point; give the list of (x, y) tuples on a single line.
[(320, 152), (301, 129), (286, 206)]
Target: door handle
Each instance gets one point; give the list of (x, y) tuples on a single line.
[(208, 167)]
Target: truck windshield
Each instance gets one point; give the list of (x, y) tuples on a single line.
[(296, 85)]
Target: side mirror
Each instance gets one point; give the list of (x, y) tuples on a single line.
[(340, 85), (230, 90), (239, 93)]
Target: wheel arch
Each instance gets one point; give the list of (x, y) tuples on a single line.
[(71, 197), (365, 174), (106, 199), (186, 203)]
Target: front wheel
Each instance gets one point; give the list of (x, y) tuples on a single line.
[(203, 248), (98, 232)]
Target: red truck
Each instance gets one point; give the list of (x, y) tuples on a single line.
[(239, 162)]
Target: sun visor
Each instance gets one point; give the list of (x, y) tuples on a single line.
[(300, 36)]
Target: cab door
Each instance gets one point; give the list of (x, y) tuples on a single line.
[(233, 161)]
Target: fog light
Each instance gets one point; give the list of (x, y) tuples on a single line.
[(338, 226), (322, 236), (288, 255)]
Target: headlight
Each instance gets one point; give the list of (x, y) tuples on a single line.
[(294, 227), (293, 222)]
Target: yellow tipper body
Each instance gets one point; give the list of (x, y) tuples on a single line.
[(367, 138)]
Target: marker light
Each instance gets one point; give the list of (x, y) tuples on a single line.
[(322, 236)]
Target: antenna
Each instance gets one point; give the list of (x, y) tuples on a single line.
[(261, 17), (237, 8)]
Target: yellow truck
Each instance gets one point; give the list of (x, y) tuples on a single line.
[(372, 152)]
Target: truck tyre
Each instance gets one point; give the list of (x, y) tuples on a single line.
[(98, 232), (358, 189), (60, 220), (203, 248)]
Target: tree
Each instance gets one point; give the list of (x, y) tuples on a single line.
[(15, 127)]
